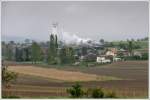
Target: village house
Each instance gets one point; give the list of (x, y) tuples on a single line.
[(103, 59), (88, 57), (110, 55), (111, 52), (122, 52), (137, 53)]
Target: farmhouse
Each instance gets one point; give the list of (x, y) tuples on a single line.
[(137, 53), (111, 52), (88, 57), (103, 59), (122, 52)]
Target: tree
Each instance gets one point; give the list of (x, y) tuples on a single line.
[(130, 47), (26, 53), (62, 56), (52, 52), (136, 45), (70, 55), (132, 39), (66, 55), (76, 91), (27, 41), (36, 52), (145, 56), (9, 52), (8, 76), (18, 54), (101, 41), (4, 53), (110, 44), (11, 42), (56, 42), (146, 38), (122, 45), (84, 51)]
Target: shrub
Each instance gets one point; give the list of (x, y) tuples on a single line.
[(10, 96), (145, 56), (88, 93), (76, 91), (110, 95), (84, 63), (8, 76), (133, 58), (97, 93)]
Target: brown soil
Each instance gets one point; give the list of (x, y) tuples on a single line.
[(52, 73), (133, 73)]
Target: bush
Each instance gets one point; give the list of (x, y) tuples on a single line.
[(110, 95), (8, 76), (145, 56), (97, 93), (133, 58), (10, 96), (76, 91)]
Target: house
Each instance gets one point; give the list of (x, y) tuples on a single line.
[(137, 53), (102, 59), (111, 52), (123, 52), (116, 59), (88, 57)]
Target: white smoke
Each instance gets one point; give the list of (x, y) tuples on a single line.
[(69, 38)]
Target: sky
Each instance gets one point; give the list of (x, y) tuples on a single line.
[(110, 20)]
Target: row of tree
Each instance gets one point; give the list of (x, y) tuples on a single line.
[(58, 55), (36, 53)]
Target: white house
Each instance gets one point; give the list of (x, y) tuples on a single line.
[(136, 53), (102, 60), (110, 53), (117, 59)]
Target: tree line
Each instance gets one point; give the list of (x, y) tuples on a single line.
[(35, 53)]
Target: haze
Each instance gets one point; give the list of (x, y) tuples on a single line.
[(94, 20)]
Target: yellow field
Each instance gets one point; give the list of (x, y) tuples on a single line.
[(53, 73)]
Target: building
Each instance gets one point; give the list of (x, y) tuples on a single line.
[(103, 59), (111, 52)]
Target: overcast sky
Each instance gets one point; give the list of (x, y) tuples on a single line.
[(95, 20)]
